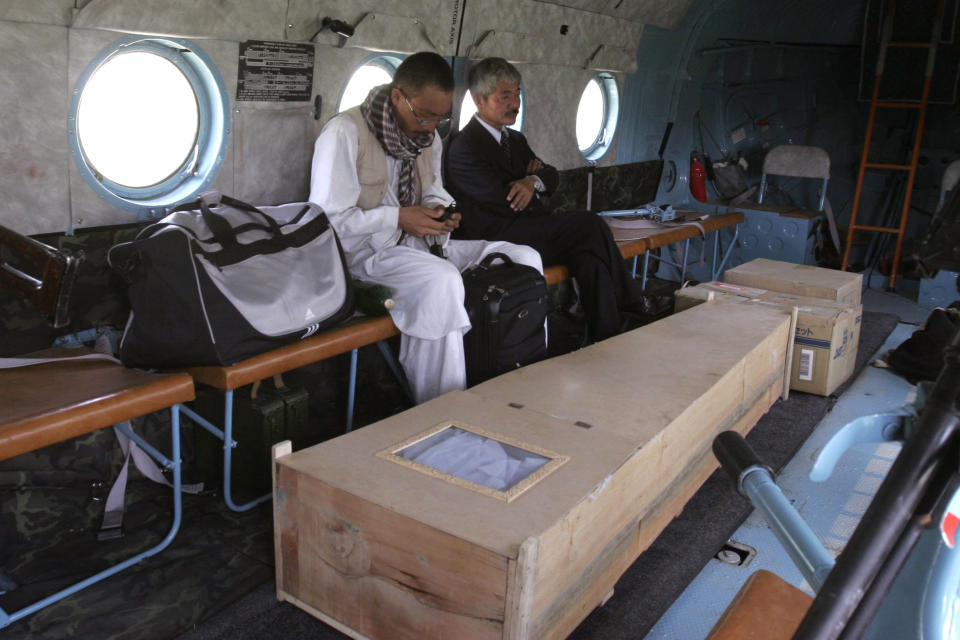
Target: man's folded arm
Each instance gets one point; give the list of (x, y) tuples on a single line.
[(335, 187), (548, 174), (473, 177)]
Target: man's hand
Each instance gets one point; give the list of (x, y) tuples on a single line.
[(423, 221), (521, 193), (534, 165)]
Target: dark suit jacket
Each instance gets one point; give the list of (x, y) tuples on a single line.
[(478, 176)]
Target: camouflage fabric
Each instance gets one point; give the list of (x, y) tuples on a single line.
[(98, 297), (50, 516), (621, 186)]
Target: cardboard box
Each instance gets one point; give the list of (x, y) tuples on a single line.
[(381, 546), (798, 279), (827, 333)]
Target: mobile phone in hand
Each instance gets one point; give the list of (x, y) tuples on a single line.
[(447, 213)]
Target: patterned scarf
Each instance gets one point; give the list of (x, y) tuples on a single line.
[(378, 112)]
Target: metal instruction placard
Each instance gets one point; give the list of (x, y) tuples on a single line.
[(275, 71)]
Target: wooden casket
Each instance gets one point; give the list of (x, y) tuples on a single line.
[(383, 544)]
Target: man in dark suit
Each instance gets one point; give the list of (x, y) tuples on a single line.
[(497, 180)]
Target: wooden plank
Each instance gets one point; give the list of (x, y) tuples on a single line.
[(570, 547), (569, 610), (635, 384), (278, 450), (520, 582), (383, 574), (320, 615)]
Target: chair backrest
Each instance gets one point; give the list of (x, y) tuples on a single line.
[(796, 161), (950, 177)]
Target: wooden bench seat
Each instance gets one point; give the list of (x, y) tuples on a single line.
[(46, 403), (361, 332), (766, 608), (353, 334)]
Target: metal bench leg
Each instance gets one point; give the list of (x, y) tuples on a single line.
[(686, 257), (646, 265), (352, 390), (173, 462), (729, 251), (395, 368), (228, 444), (713, 256)]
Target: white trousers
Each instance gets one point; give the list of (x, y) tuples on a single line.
[(429, 311)]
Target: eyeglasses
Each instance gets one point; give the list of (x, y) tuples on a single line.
[(439, 122)]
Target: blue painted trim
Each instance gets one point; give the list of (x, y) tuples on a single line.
[(386, 61), (226, 435), (199, 168), (228, 458), (611, 112)]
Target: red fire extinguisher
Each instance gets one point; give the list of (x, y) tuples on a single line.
[(698, 178)]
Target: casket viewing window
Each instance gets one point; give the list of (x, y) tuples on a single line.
[(470, 457)]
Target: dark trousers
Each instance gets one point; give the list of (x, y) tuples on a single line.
[(583, 242)]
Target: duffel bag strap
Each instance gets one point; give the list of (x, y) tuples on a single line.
[(212, 198), (238, 204)]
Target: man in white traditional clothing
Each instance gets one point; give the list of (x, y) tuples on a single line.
[(376, 174)]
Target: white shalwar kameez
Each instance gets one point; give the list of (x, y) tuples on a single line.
[(428, 291)]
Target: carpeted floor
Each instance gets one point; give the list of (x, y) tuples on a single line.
[(648, 588)]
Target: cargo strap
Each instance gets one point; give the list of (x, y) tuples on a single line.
[(112, 524)]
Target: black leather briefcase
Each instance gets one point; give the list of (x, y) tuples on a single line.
[(507, 304)]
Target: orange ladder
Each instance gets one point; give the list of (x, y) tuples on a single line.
[(875, 103)]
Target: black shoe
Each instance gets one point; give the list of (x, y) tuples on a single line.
[(651, 305)]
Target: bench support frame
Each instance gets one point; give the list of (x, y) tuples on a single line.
[(173, 463)]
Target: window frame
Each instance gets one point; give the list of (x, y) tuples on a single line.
[(386, 61), (198, 168), (610, 94)]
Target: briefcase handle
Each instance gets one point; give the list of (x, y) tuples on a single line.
[(488, 260)]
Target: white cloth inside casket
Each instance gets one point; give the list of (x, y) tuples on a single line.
[(478, 459)]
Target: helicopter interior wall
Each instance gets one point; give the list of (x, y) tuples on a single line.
[(751, 97), (47, 45), (664, 55), (738, 77)]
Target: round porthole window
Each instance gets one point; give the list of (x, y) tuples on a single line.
[(148, 123), (468, 108), (597, 116), (372, 73)]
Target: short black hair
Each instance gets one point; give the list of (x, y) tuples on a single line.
[(424, 69)]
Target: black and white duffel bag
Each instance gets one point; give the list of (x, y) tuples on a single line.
[(218, 280)]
